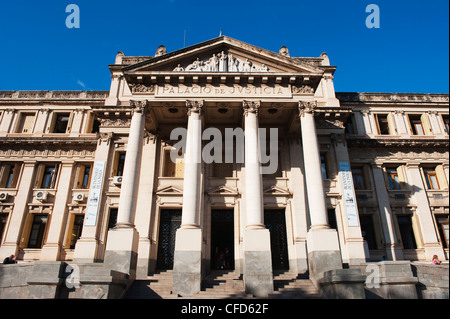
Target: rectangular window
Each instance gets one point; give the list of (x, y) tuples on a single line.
[(76, 230), (431, 179), (406, 231), (332, 221), (358, 178), (119, 163), (26, 123), (46, 176), (37, 231), (393, 179), (171, 169), (9, 174), (84, 176), (383, 124), (3, 219), (442, 223), (445, 118), (49, 177), (350, 125), (368, 230), (93, 125), (60, 123), (416, 124), (324, 166), (112, 221)]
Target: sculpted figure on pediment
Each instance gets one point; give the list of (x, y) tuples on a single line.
[(179, 68), (232, 63), (223, 65), (222, 62), (196, 66), (246, 66)]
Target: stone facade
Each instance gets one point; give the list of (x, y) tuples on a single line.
[(87, 177)]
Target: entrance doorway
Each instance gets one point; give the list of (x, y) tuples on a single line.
[(170, 221), (275, 221), (222, 239)]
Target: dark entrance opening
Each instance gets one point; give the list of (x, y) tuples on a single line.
[(275, 221), (222, 239), (170, 221)]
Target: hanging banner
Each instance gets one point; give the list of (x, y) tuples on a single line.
[(93, 202), (348, 194)]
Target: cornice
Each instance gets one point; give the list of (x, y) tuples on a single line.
[(390, 142), (48, 140)]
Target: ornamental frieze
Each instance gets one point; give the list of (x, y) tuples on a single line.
[(222, 62)]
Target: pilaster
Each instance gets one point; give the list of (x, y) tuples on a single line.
[(430, 239), (393, 250), (52, 248)]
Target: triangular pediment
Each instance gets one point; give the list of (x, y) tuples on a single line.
[(274, 190), (223, 54), (222, 190), (169, 190)]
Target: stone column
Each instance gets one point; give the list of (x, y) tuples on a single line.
[(423, 211), (323, 245), (122, 244), (393, 250), (258, 278), (187, 270)]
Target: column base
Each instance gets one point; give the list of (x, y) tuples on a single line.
[(323, 252), (187, 266), (121, 250), (50, 252), (258, 277), (300, 263), (394, 252), (85, 250)]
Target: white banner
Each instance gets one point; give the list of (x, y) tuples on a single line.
[(348, 193), (90, 219)]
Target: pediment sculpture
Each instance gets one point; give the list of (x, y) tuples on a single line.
[(222, 62)]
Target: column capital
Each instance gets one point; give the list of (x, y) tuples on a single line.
[(306, 107), (139, 106), (251, 107), (194, 106)]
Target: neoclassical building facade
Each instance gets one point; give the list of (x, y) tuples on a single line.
[(88, 176)]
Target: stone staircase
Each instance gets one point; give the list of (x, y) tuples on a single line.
[(157, 286), (222, 284), (291, 286)]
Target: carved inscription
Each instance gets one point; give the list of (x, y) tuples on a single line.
[(208, 90)]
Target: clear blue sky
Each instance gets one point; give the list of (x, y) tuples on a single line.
[(408, 53)]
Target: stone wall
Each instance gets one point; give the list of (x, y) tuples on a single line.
[(60, 280), (433, 280), (405, 280)]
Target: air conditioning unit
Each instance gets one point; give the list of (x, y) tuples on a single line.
[(117, 180), (3, 196), (41, 195), (78, 197)]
